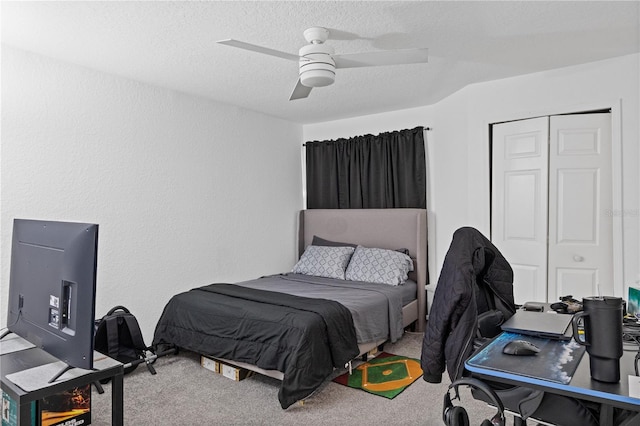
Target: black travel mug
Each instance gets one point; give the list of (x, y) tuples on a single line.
[(602, 320)]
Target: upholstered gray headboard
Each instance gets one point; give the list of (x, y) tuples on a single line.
[(381, 228)]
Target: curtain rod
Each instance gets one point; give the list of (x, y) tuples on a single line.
[(423, 127)]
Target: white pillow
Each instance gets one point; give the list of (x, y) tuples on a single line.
[(323, 261), (377, 265)]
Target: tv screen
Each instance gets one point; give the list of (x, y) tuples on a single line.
[(52, 287)]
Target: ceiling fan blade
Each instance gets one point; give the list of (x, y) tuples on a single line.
[(385, 57), (300, 91), (259, 49)]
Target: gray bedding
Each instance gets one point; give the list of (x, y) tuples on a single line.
[(376, 308)]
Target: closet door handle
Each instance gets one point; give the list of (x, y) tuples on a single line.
[(578, 258)]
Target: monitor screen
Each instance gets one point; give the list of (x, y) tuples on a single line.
[(633, 306), (52, 287)]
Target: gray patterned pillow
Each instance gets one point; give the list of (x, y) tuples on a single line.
[(323, 261), (379, 266)]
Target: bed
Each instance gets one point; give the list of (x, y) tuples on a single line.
[(301, 325)]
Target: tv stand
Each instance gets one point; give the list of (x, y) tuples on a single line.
[(15, 362)]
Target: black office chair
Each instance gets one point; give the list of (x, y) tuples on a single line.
[(474, 296)]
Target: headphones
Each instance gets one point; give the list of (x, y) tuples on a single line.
[(457, 416)]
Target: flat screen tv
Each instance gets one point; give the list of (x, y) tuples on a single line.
[(52, 288)]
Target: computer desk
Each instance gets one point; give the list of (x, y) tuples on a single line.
[(581, 386), (34, 357)]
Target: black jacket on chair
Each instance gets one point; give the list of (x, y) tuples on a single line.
[(473, 297), (475, 279)]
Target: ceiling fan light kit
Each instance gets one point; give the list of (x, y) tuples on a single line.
[(317, 62), (317, 67)]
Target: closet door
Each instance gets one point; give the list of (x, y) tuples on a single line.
[(551, 205), (519, 203), (580, 205)]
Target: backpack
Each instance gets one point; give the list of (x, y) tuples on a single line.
[(118, 336)]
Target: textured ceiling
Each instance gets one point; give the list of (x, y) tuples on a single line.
[(172, 44)]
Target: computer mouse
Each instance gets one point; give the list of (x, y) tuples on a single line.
[(520, 347)]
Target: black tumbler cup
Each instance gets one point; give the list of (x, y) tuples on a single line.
[(602, 319)]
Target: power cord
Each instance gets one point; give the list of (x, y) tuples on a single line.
[(6, 329)]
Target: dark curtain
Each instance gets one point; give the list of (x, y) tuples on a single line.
[(365, 172)]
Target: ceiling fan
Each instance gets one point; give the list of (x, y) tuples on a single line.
[(318, 62)]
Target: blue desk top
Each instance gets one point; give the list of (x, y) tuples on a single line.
[(560, 365), (557, 360)]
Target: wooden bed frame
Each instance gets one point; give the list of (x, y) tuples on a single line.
[(381, 228)]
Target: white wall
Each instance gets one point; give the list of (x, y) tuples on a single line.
[(458, 145), (187, 192), (183, 187)]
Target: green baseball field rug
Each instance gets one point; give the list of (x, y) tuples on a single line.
[(385, 375)]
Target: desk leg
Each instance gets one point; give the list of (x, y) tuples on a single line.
[(117, 403), (24, 414), (606, 415)]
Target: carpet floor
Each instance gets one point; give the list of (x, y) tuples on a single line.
[(182, 392)]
